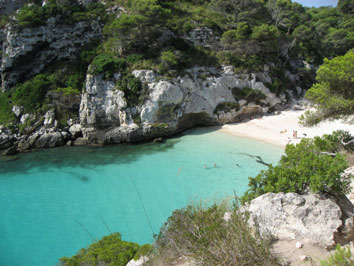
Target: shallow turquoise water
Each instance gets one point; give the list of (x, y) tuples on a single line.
[(53, 200)]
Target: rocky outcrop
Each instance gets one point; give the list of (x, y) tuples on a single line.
[(28, 51), (205, 37), (197, 98), (102, 105), (318, 219), (9, 6)]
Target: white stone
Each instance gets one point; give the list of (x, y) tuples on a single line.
[(17, 110), (227, 216), (138, 262), (145, 75), (303, 257), (298, 245)]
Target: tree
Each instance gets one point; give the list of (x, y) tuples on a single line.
[(346, 6), (303, 167), (334, 92)]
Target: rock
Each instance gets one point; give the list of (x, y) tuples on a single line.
[(11, 151), (50, 140), (203, 36), (9, 6), (81, 142), (242, 102), (17, 110), (145, 75), (304, 258), (298, 245), (42, 45), (227, 216), (291, 216), (26, 117), (6, 141), (158, 140), (49, 118), (138, 262), (75, 130), (101, 104)]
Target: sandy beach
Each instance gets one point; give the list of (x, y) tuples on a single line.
[(278, 129)]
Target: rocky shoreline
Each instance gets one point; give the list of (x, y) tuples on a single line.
[(201, 97)]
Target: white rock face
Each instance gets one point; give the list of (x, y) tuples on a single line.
[(193, 94), (148, 76), (292, 216), (101, 104)]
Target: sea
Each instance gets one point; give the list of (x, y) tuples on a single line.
[(53, 202)]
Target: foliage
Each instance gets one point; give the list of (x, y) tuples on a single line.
[(143, 250), (132, 87), (334, 94), (303, 167), (6, 114), (108, 65), (226, 107), (342, 257), (110, 250), (201, 233), (32, 15), (31, 94), (248, 94)]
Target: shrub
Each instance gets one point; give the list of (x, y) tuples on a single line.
[(248, 94), (226, 107), (201, 233), (342, 257), (31, 94), (30, 16), (131, 86), (110, 251), (6, 114), (108, 65), (303, 167)]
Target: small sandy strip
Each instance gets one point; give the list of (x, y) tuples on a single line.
[(278, 129)]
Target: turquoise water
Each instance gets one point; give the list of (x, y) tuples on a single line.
[(53, 202)]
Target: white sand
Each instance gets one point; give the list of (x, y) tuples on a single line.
[(268, 128)]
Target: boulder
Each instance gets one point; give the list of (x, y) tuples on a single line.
[(75, 130), (6, 141), (50, 140), (314, 218)]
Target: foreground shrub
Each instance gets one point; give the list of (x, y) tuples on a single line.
[(109, 251), (305, 166), (108, 65), (202, 234), (342, 257)]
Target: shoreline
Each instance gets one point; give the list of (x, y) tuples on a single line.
[(278, 129)]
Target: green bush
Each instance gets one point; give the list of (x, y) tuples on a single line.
[(6, 114), (31, 94), (108, 65), (303, 167), (131, 86), (248, 94), (342, 257), (201, 233), (110, 251), (30, 16), (226, 107)]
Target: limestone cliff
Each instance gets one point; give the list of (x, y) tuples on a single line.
[(29, 51)]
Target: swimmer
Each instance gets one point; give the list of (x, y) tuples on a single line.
[(205, 166), (214, 165)]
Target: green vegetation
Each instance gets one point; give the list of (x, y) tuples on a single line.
[(227, 107), (201, 233), (31, 94), (334, 94), (248, 94), (342, 257), (108, 65), (111, 250), (70, 11), (6, 115), (305, 166)]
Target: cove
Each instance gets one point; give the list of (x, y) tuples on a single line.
[(54, 201)]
